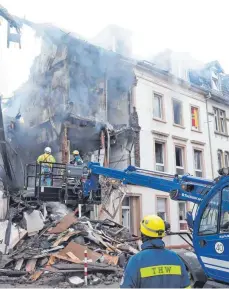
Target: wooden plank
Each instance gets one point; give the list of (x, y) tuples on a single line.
[(65, 238), (64, 224), (72, 256), (78, 251), (19, 264), (30, 265), (66, 259)]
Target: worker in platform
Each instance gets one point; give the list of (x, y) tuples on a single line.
[(76, 158), (154, 266), (46, 160)]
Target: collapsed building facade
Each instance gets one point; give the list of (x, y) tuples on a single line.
[(78, 96)]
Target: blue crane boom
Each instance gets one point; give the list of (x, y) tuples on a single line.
[(210, 230), (184, 188)]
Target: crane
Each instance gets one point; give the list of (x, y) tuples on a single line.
[(210, 229)]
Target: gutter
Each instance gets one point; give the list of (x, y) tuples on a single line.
[(209, 134)]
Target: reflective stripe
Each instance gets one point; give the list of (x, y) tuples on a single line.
[(160, 270), (188, 287)]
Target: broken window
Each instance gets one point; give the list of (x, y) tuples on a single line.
[(220, 159), (220, 120), (159, 156), (195, 118), (177, 112), (179, 154), (126, 212), (198, 161), (182, 216), (157, 106), (162, 208)]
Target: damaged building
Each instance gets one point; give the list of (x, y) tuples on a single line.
[(78, 96)]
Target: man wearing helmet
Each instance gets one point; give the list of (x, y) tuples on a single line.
[(154, 266), (76, 158), (46, 160)]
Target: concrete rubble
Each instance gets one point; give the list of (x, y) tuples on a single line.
[(40, 244)]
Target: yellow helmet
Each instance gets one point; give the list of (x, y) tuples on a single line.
[(75, 152), (152, 226)]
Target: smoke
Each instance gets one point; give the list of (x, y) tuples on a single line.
[(71, 81)]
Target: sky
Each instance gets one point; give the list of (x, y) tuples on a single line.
[(197, 26)]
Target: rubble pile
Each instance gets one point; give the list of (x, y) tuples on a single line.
[(45, 243)]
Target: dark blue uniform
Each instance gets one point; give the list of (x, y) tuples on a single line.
[(155, 267)]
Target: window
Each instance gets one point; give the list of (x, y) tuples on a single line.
[(159, 156), (177, 112), (126, 212), (195, 118), (162, 208), (224, 219), (209, 220), (220, 159), (198, 162), (226, 159), (179, 155), (157, 106), (220, 120), (182, 216)]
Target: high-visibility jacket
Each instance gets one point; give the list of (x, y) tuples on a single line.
[(46, 158), (155, 267)]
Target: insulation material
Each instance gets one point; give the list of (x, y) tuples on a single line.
[(16, 234)]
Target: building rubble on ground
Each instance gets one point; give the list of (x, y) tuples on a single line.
[(44, 243), (78, 96)]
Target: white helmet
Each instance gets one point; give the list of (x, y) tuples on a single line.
[(48, 150)]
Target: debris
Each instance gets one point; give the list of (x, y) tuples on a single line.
[(16, 234), (30, 265), (76, 281), (65, 238), (19, 264), (95, 281), (78, 250), (54, 247), (34, 222), (64, 224)]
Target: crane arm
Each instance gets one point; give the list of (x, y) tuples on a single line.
[(185, 188)]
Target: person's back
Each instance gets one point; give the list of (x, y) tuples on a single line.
[(155, 267), (46, 158)]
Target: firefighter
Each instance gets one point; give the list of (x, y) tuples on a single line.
[(76, 158), (154, 266), (46, 160)]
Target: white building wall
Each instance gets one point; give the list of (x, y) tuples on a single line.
[(219, 141), (171, 135)]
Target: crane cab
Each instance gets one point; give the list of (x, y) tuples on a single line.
[(211, 230)]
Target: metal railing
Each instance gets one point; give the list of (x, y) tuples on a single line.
[(34, 174)]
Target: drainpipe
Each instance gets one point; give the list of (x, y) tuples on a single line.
[(209, 134)]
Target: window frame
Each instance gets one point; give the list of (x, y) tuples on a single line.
[(218, 120), (183, 221), (222, 158), (198, 116), (167, 216), (161, 96), (226, 153), (181, 118), (218, 217), (202, 162), (163, 142), (182, 147)]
